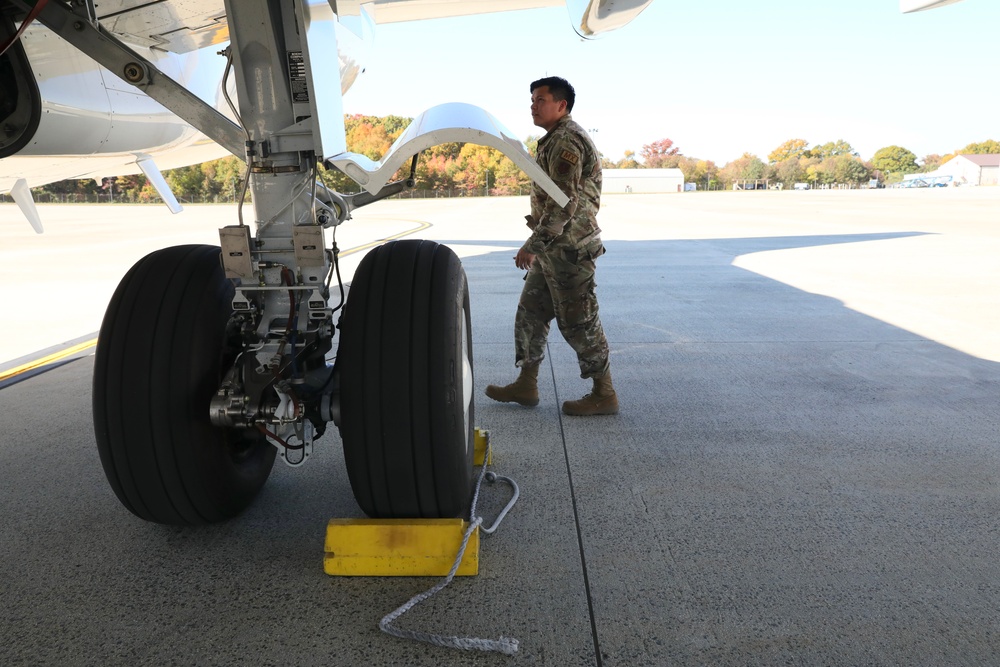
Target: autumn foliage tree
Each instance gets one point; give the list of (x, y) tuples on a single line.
[(793, 149), (628, 162), (452, 168), (749, 167), (988, 147), (832, 163), (654, 155), (468, 169)]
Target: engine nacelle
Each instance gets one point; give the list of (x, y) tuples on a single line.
[(594, 17), (20, 104)]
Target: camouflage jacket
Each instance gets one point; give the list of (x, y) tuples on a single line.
[(570, 159)]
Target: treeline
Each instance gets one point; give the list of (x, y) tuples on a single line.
[(452, 169), (469, 169), (794, 161)]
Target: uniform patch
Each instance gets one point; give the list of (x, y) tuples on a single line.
[(567, 163)]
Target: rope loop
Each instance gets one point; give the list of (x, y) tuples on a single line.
[(505, 645)]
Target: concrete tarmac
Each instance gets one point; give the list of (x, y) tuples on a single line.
[(804, 471)]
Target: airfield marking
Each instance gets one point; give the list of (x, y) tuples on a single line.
[(422, 226), (53, 358)]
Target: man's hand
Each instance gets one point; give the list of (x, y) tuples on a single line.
[(523, 259)]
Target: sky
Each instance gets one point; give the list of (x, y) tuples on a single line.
[(717, 77)]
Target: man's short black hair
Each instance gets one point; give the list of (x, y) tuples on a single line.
[(560, 89)]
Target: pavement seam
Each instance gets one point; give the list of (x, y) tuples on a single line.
[(576, 519)]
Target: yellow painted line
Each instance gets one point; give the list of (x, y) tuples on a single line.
[(48, 359), (421, 227), (80, 347)]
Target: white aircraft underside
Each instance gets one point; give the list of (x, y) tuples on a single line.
[(90, 123)]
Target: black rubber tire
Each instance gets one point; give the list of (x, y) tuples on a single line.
[(160, 356), (405, 361)]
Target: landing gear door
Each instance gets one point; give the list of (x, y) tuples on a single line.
[(445, 123)]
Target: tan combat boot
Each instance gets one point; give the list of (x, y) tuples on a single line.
[(523, 390), (601, 401)]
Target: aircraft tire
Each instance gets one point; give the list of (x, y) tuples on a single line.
[(405, 362), (161, 353)]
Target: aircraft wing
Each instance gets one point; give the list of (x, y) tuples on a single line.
[(181, 26), (910, 6), (398, 11)]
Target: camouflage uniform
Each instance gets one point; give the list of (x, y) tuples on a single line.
[(566, 243)]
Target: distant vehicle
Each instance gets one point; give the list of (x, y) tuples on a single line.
[(926, 181), (800, 186)]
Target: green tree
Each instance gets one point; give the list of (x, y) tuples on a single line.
[(82, 188), (849, 169), (838, 170), (895, 160), (186, 181), (792, 171), (832, 149), (229, 173), (792, 149), (988, 147), (532, 144)]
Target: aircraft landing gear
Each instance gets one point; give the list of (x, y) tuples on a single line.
[(207, 369)]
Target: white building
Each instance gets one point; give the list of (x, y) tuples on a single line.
[(971, 169), (643, 180)]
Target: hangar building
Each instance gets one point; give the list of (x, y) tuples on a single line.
[(971, 169), (643, 180)]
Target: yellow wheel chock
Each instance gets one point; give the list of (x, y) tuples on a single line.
[(403, 547)]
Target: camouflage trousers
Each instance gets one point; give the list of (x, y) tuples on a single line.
[(560, 285)]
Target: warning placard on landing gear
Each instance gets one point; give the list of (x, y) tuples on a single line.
[(297, 77)]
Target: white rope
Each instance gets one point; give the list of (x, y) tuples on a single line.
[(492, 477), (505, 645)]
